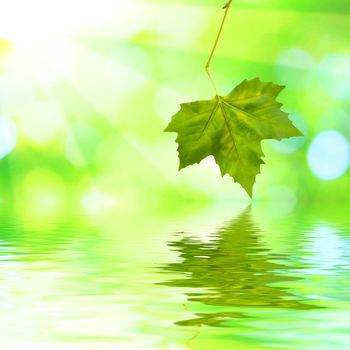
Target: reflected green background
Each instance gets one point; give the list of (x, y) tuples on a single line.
[(104, 243), (221, 278)]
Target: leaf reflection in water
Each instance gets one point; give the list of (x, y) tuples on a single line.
[(234, 269)]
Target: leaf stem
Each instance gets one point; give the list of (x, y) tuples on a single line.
[(207, 66)]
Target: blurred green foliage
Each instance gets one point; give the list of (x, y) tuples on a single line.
[(83, 108)]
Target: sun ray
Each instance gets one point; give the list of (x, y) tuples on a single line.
[(117, 80), (72, 102)]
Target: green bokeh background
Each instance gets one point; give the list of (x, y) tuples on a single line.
[(84, 107), (101, 236)]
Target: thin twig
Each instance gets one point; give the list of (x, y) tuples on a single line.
[(207, 66)]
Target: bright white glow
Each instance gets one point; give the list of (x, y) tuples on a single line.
[(35, 346), (41, 32), (25, 23), (326, 247), (8, 136), (329, 155), (95, 201), (56, 62)]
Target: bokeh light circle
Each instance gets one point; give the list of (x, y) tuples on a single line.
[(329, 155), (334, 75), (295, 67)]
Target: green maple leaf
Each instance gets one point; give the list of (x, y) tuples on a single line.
[(231, 129)]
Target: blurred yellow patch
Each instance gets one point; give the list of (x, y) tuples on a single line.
[(5, 51)]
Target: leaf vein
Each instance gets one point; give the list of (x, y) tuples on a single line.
[(208, 121), (229, 130)]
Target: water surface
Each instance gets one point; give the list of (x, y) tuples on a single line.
[(223, 279)]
